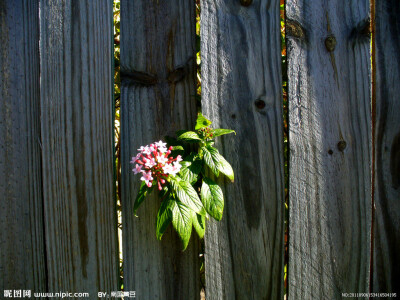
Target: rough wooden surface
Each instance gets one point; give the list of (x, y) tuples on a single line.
[(22, 262), (386, 277), (241, 90), (77, 144), (158, 89), (330, 148)]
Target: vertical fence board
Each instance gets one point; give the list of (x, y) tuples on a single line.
[(77, 141), (387, 168), (157, 98), (330, 148), (241, 90), (22, 263)]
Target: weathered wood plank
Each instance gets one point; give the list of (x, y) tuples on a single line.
[(241, 90), (387, 168), (157, 98), (330, 148), (22, 261), (77, 140)]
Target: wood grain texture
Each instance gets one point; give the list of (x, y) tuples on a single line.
[(22, 261), (77, 140), (330, 148), (157, 99), (386, 277), (241, 90)]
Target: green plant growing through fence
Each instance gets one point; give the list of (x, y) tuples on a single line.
[(188, 195), (117, 90), (285, 133), (117, 96)]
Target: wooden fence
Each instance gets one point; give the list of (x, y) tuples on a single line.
[(58, 209)]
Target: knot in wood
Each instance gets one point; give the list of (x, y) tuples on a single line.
[(245, 2), (260, 104), (330, 43), (341, 146), (294, 29)]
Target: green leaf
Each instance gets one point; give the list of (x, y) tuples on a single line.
[(144, 190), (220, 131), (188, 136), (199, 224), (177, 148), (201, 122), (182, 217), (187, 195), (212, 198), (197, 42), (222, 165), (179, 132), (191, 168), (226, 168), (164, 216), (210, 160)]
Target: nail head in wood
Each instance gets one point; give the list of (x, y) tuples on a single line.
[(246, 2), (341, 146), (260, 104), (330, 43)]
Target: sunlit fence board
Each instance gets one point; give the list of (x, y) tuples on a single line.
[(77, 145), (330, 148), (157, 99), (241, 90)]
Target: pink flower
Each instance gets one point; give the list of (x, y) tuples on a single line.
[(161, 146), (137, 169), (161, 159), (147, 150), (177, 167), (167, 169), (153, 161), (135, 158), (147, 178), (172, 169), (149, 163)]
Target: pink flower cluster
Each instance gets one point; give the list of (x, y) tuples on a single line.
[(154, 164)]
